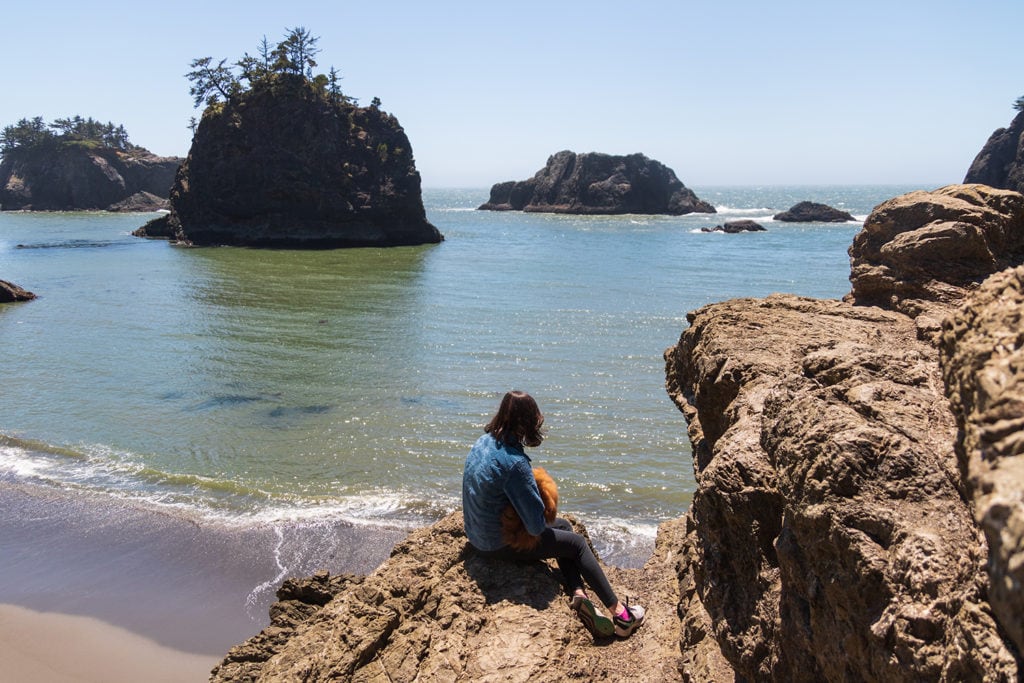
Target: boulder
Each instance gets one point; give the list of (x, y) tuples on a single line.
[(284, 165), (811, 212), (10, 292), (1000, 163), (732, 227), (72, 177), (598, 184), (922, 252)]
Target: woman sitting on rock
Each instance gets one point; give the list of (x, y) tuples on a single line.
[(497, 474)]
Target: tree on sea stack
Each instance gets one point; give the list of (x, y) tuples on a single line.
[(281, 157)]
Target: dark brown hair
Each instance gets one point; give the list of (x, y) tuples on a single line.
[(518, 421)]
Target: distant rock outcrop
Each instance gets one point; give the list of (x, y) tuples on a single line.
[(282, 165), (732, 227), (1000, 163), (812, 212), (10, 292), (72, 177), (598, 184)]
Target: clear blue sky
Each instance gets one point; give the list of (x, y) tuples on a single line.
[(734, 93)]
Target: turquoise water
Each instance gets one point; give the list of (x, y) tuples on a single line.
[(245, 387)]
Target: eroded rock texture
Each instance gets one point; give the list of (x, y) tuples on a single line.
[(983, 364), (922, 252), (833, 533), (831, 538)]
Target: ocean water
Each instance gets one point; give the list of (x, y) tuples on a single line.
[(263, 389)]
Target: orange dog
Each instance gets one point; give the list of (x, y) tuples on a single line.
[(512, 530)]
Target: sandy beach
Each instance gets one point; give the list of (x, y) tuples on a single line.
[(93, 589), (57, 648)]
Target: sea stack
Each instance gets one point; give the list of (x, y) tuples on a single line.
[(288, 164), (1000, 163), (598, 184)]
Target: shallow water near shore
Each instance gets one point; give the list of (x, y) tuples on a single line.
[(243, 390)]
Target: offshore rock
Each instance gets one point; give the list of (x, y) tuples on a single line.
[(598, 184), (282, 165), (10, 292), (72, 177), (733, 227), (1000, 163), (983, 365), (437, 611), (921, 253), (811, 212), (830, 537)]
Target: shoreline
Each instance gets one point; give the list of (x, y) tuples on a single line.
[(106, 573)]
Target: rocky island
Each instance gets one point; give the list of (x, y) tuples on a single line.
[(598, 184), (79, 164), (857, 516), (812, 212), (290, 161)]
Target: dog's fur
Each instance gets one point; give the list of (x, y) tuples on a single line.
[(512, 530)]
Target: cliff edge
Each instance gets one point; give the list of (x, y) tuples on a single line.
[(598, 184)]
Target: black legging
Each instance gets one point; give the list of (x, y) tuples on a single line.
[(573, 556)]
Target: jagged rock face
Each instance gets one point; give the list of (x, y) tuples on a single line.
[(282, 166), (1000, 163), (74, 177), (922, 252), (598, 184), (811, 212), (438, 611), (983, 365), (830, 535)]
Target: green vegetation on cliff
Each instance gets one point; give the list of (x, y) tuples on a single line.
[(295, 55), (35, 133)]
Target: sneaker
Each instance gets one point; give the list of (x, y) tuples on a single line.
[(624, 627), (598, 624)]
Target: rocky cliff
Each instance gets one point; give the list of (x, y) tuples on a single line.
[(71, 177), (833, 530), (598, 184), (858, 513), (282, 165), (1000, 163)]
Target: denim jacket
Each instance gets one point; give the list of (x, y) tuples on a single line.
[(495, 475)]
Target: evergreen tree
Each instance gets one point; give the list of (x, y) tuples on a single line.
[(210, 83)]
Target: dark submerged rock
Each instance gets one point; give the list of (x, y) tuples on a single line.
[(732, 227), (282, 165), (598, 184), (10, 292), (1000, 163), (812, 212)]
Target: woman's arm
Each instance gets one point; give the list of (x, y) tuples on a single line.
[(521, 489)]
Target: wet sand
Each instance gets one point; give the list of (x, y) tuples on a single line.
[(79, 572)]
